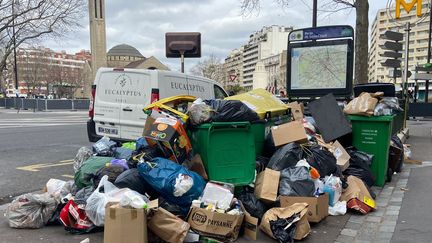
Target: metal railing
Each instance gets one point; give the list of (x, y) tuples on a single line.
[(44, 104)]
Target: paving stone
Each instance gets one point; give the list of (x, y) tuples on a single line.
[(396, 199), (382, 204), (383, 241), (393, 208), (390, 218), (389, 229), (392, 212), (388, 223), (345, 239), (379, 212), (395, 204), (375, 219), (357, 219), (402, 193), (352, 225), (349, 232), (363, 241), (384, 236)]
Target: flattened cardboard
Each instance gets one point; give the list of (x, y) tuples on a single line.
[(357, 190), (196, 165), (329, 118), (297, 110), (167, 226), (267, 185), (220, 226), (289, 132), (303, 227), (318, 206), (250, 225), (125, 225), (341, 155)]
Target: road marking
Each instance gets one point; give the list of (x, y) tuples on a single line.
[(69, 176), (37, 167)]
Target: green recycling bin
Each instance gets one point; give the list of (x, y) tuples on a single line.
[(372, 135), (227, 150), (261, 129)]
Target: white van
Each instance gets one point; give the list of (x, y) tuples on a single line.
[(119, 96)]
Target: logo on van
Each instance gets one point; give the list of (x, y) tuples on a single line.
[(123, 79), (188, 87)]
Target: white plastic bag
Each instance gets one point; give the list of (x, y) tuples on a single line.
[(183, 184), (133, 199), (340, 208), (54, 187), (218, 195), (96, 203)]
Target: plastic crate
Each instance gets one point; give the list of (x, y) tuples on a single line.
[(227, 150)]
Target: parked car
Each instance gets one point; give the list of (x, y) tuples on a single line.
[(119, 96)]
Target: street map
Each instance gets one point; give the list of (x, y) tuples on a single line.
[(319, 67)]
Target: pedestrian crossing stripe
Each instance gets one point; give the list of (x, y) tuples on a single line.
[(37, 167)]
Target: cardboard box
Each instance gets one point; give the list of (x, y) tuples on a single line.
[(125, 225), (302, 226), (297, 110), (318, 206), (267, 185), (167, 226), (220, 226), (341, 155), (357, 195), (289, 132), (170, 136)]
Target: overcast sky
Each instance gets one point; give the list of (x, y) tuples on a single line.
[(143, 24)]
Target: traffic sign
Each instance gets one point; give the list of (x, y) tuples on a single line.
[(422, 76), (390, 45), (392, 35), (395, 73), (232, 77), (394, 63), (391, 54)]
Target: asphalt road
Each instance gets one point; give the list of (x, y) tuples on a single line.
[(35, 147)]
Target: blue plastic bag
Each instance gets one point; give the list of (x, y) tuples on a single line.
[(174, 182), (140, 143)]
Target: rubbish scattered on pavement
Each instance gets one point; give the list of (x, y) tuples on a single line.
[(211, 170)]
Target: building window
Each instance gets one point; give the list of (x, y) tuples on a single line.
[(100, 8), (95, 9)]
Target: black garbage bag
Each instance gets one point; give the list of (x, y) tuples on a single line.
[(255, 207), (55, 218), (296, 181), (285, 157), (112, 171), (400, 156), (269, 146), (321, 159), (170, 207), (145, 154), (360, 166), (122, 153), (284, 229), (261, 163), (132, 180), (231, 111)]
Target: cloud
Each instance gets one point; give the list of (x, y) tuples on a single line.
[(143, 24)]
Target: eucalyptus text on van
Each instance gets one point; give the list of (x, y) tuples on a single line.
[(189, 87), (122, 92)]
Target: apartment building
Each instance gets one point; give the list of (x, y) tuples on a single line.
[(385, 20), (233, 68)]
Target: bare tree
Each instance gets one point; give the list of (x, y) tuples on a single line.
[(36, 19), (210, 67), (331, 6)]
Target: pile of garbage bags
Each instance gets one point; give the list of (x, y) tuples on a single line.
[(171, 184)]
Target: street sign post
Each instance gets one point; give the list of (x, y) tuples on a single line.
[(393, 53)]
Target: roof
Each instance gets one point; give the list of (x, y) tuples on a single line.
[(124, 50), (135, 64)]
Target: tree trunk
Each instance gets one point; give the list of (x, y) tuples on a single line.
[(361, 42)]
